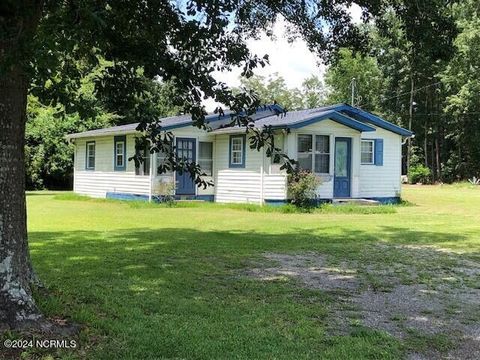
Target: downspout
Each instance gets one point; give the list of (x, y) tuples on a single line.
[(74, 163)]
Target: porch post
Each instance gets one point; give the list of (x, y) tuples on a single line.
[(151, 177)]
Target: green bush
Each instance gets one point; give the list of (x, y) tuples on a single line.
[(301, 188), (419, 174)]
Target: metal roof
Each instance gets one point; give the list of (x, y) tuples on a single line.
[(215, 121), (270, 115)]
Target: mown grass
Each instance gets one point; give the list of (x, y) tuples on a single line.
[(149, 281), (284, 209)]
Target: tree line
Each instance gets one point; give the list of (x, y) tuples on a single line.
[(429, 86)]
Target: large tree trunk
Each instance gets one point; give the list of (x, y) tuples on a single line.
[(18, 22), (17, 307)]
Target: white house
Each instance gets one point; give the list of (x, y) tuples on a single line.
[(354, 153)]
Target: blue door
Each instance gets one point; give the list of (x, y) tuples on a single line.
[(343, 165), (185, 150)]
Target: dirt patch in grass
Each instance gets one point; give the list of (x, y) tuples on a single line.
[(427, 298)]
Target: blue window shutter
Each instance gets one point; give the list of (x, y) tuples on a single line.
[(379, 152)]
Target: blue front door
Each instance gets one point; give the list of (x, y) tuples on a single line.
[(185, 150), (343, 165)]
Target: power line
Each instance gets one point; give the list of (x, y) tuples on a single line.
[(442, 114), (416, 90), (408, 92)]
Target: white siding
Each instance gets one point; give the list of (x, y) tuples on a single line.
[(367, 180), (383, 181), (333, 129), (98, 183), (258, 181), (237, 184), (275, 187), (104, 179)]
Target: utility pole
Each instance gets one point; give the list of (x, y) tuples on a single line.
[(352, 83), (410, 120)]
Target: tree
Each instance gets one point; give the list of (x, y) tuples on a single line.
[(415, 44), (462, 104), (49, 157), (367, 75), (313, 92), (43, 41), (274, 89), (410, 45)]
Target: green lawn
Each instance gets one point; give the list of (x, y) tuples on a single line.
[(157, 282)]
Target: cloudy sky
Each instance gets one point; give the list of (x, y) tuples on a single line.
[(294, 62)]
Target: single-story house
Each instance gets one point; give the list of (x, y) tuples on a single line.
[(354, 153)]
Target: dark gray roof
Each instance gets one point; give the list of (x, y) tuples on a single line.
[(214, 120), (300, 118), (278, 120), (122, 129), (344, 114), (271, 115)]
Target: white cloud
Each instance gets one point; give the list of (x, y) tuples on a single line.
[(293, 61), (355, 12)]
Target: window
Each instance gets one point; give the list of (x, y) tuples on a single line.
[(304, 152), (316, 159), (161, 159), (119, 153), (144, 167), (237, 151), (367, 152), (322, 154), (205, 157), (90, 156), (278, 144)]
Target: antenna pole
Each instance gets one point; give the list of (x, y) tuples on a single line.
[(353, 91)]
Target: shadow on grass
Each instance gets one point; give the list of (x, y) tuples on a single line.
[(179, 292), (93, 252)]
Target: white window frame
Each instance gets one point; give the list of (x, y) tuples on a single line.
[(210, 160), (143, 169), (88, 145), (314, 151), (278, 142), (160, 158), (373, 152), (122, 154), (241, 140)]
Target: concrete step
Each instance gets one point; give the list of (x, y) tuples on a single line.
[(187, 200), (347, 201)]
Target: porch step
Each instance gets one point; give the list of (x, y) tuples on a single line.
[(355, 201), (187, 200)]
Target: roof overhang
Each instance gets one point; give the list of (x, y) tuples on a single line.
[(372, 119), (189, 122), (329, 115), (274, 109), (98, 133)]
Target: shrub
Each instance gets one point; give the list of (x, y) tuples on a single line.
[(301, 188), (419, 174), (164, 191)]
